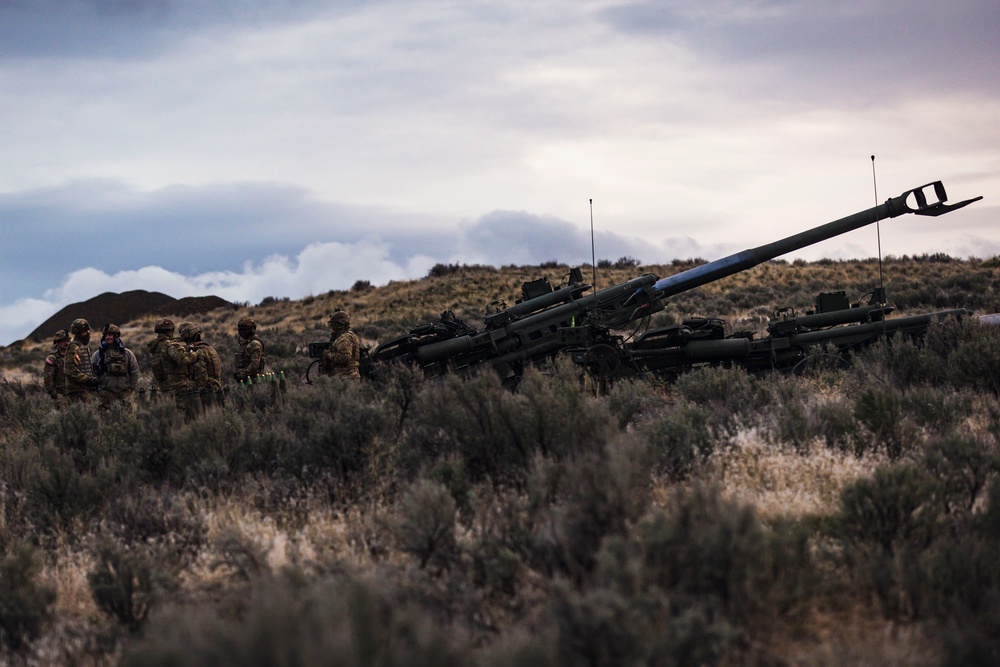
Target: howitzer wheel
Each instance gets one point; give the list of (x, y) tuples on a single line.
[(819, 363), (602, 362)]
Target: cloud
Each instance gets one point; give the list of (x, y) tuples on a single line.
[(131, 28), (926, 48), (522, 238), (188, 230), (318, 268)]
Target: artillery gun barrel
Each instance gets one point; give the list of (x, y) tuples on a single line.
[(912, 201)]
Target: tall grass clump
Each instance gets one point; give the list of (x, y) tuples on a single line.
[(497, 433), (699, 582), (25, 604), (338, 621)]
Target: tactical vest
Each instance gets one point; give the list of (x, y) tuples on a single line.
[(78, 369), (174, 362), (157, 364), (243, 358), (207, 371), (341, 358), (116, 362)]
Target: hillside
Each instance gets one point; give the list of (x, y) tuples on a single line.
[(844, 516), (124, 308)]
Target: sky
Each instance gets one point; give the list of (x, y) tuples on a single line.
[(254, 148)]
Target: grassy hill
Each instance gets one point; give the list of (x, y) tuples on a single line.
[(843, 517)]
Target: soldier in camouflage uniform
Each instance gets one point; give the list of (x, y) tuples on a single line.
[(80, 378), (206, 372), (342, 357), (250, 359), (53, 373), (117, 370), (172, 367)]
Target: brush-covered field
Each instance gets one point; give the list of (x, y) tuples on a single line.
[(837, 517)]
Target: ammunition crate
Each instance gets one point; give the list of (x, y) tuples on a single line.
[(828, 302), (317, 348)]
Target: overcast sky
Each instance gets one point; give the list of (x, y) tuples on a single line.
[(252, 148)]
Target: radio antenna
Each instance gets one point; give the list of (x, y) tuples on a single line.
[(878, 236), (593, 252)]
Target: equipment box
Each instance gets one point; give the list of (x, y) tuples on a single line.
[(317, 348)]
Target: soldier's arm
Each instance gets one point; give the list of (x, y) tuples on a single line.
[(49, 375), (180, 355), (133, 369), (256, 351), (340, 351)]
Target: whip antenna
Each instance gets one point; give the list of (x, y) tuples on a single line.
[(878, 236), (593, 253)]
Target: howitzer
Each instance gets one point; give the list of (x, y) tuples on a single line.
[(548, 320)]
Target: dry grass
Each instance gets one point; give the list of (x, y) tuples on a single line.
[(781, 482), (311, 533)]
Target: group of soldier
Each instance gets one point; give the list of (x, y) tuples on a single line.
[(185, 366)]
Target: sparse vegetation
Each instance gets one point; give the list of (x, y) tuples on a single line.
[(841, 516)]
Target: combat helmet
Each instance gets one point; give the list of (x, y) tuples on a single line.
[(164, 325), (60, 336), (246, 324), (340, 320), (188, 330), (79, 326)]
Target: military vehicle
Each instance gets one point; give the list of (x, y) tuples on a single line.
[(591, 328)]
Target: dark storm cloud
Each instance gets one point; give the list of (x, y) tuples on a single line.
[(519, 237), (921, 47), (130, 28), (183, 229)]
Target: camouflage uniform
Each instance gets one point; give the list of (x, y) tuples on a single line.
[(79, 372), (342, 357), (53, 372), (250, 359), (117, 370), (172, 367), (206, 372)]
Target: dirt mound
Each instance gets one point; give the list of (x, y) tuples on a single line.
[(123, 308)]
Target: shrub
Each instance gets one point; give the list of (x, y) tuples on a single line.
[(497, 433), (124, 583), (899, 362), (881, 411), (159, 517), (361, 286), (629, 401), (424, 523), (733, 395), (24, 604), (885, 522), (58, 492), (839, 428), (717, 553), (341, 622), (604, 626), (598, 494), (681, 441), (333, 431), (962, 466)]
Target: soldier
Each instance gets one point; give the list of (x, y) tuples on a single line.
[(172, 367), (80, 377), (54, 374), (342, 357), (117, 370), (250, 360), (206, 372)]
